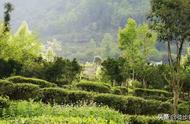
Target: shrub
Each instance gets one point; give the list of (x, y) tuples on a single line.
[(135, 84), (152, 94), (149, 120), (184, 108), (131, 105), (93, 86), (4, 103), (5, 87), (24, 91), (8, 67), (61, 120), (120, 90), (41, 83), (62, 71), (136, 120), (62, 96), (32, 109), (156, 107), (165, 107), (114, 70)]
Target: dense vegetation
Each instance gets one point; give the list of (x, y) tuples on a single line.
[(91, 24), (122, 84)]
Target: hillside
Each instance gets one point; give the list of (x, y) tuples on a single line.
[(79, 20), (75, 23)]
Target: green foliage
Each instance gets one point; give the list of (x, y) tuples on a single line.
[(151, 120), (18, 51), (120, 90), (136, 42), (41, 83), (62, 120), (94, 87), (165, 21), (61, 96), (24, 91), (8, 9), (115, 70), (4, 104), (186, 82), (184, 108), (8, 67), (132, 105), (5, 87), (135, 84), (41, 112), (134, 120), (32, 112), (22, 47), (61, 71), (152, 76), (152, 94), (170, 19), (79, 18), (26, 45)]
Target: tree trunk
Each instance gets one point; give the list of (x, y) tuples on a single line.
[(144, 83), (170, 60), (176, 96), (133, 74)]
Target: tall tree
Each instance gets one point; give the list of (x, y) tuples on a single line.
[(170, 18), (128, 43), (137, 43), (8, 9)]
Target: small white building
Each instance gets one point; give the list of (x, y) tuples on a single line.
[(156, 63)]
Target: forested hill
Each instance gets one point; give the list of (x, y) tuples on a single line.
[(78, 24), (76, 20)]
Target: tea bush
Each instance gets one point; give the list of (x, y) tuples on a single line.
[(150, 120), (24, 91), (184, 108), (62, 96), (152, 94), (61, 120), (5, 87), (94, 87), (133, 105), (41, 83), (120, 90), (31, 111)]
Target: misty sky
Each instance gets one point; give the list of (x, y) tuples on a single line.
[(23, 8)]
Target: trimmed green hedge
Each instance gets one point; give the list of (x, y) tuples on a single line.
[(126, 105), (120, 90), (5, 87), (94, 87), (184, 108), (19, 91), (150, 120), (24, 92), (152, 94), (133, 105), (41, 83), (62, 96)]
